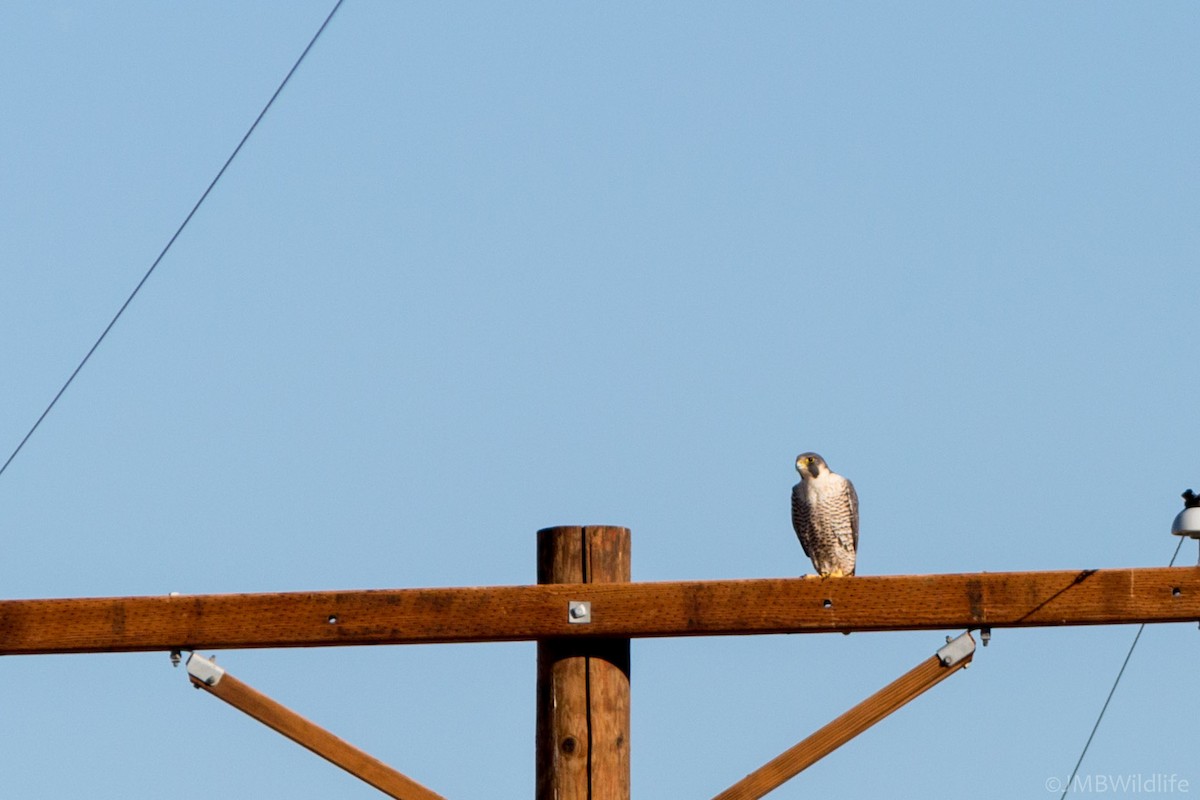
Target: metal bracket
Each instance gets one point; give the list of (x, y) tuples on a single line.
[(579, 612), (204, 670), (956, 649)]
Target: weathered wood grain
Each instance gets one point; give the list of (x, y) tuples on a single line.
[(682, 608), (821, 743), (283, 720), (583, 708)]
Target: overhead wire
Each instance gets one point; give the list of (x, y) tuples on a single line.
[(171, 241), (1111, 692)]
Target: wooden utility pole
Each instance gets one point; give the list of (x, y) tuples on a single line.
[(582, 735)]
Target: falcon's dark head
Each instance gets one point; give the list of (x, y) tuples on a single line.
[(809, 465)]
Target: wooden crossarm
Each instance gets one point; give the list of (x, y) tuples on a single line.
[(631, 610)]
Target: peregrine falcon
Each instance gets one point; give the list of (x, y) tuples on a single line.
[(825, 516)]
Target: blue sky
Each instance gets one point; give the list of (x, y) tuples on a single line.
[(490, 268)]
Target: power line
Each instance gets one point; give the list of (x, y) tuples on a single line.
[(1112, 691), (175, 236)]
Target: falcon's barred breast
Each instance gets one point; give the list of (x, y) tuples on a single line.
[(825, 516)]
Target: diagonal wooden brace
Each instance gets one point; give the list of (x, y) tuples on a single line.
[(930, 672), (206, 675)]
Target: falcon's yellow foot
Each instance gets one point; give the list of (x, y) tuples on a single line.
[(809, 576), (837, 573)]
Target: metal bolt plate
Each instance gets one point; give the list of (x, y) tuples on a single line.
[(579, 612), (956, 650), (204, 670)]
